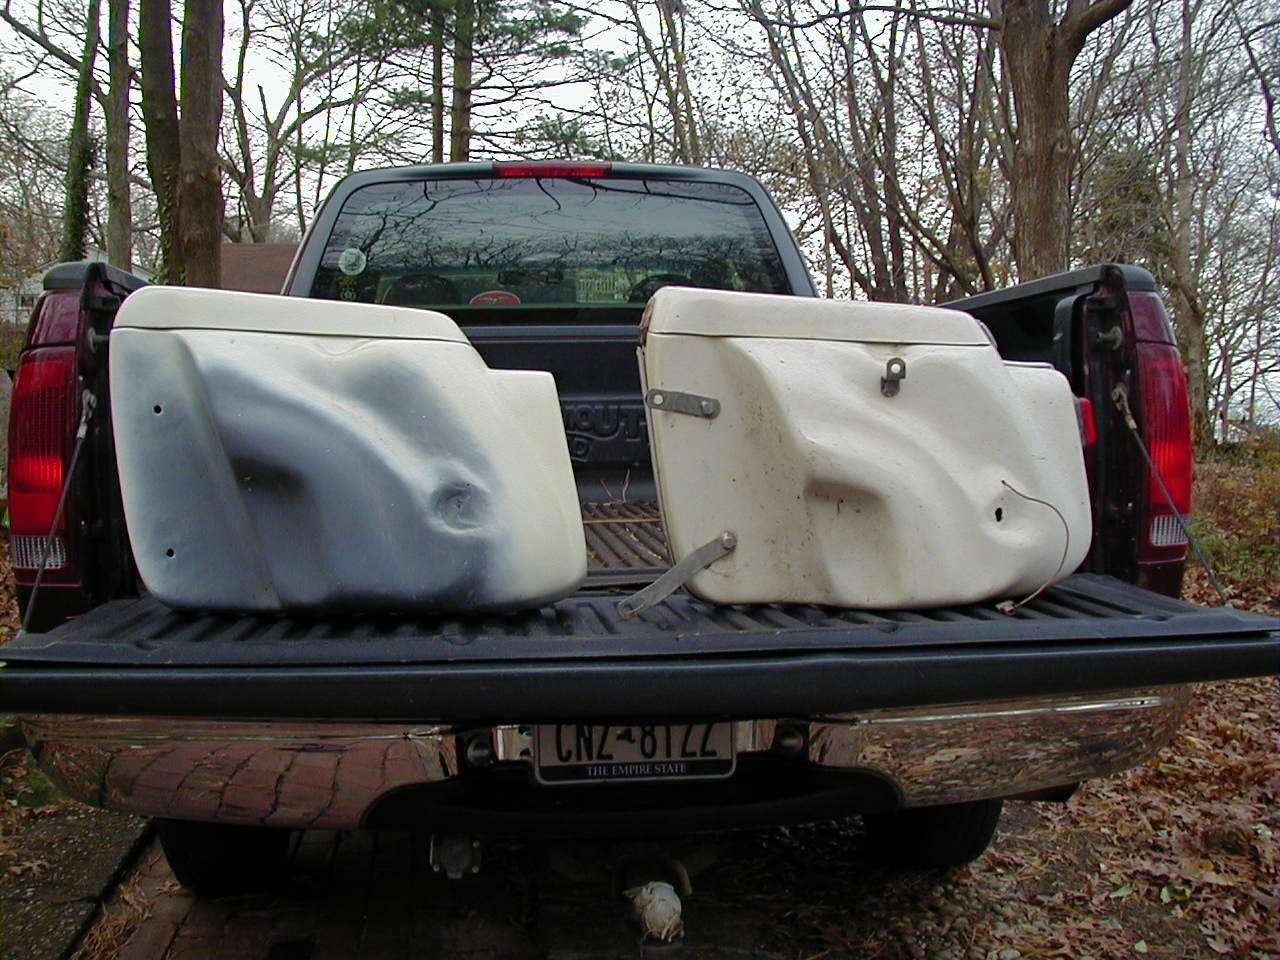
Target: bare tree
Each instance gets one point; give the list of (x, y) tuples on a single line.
[(200, 196), (321, 51), (75, 211), (899, 120), (158, 86), (494, 64), (52, 43), (660, 33), (1180, 164), (119, 201), (436, 43), (33, 144), (1038, 53), (464, 53), (182, 148)]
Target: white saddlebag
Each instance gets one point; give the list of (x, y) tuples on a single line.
[(281, 454), (862, 454)]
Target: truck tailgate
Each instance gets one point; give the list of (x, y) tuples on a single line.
[(580, 659)]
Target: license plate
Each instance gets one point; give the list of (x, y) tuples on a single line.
[(604, 753)]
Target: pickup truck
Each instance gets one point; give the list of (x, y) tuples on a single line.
[(235, 730)]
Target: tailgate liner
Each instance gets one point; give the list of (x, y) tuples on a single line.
[(578, 658)]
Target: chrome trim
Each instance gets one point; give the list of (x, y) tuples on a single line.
[(279, 774), (956, 753), (328, 774)]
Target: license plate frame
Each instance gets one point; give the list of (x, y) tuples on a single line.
[(572, 754)]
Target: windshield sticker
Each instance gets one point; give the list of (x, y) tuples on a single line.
[(352, 261), (493, 298)]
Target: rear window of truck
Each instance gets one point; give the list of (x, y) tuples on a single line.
[(544, 241)]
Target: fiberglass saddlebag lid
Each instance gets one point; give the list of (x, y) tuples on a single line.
[(281, 454), (856, 454)]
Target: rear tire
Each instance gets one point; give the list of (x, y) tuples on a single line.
[(220, 859), (930, 837)]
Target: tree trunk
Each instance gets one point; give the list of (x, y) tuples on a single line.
[(437, 86), (1038, 54), (258, 214), (1188, 312), (464, 34), (1188, 325), (160, 116), (119, 205), (683, 112), (75, 211), (1039, 70), (201, 192)]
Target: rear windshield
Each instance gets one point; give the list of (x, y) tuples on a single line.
[(586, 243)]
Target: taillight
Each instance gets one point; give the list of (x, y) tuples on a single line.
[(1084, 420), (42, 423), (550, 168), (1166, 431)]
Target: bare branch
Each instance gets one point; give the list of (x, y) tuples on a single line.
[(1081, 19), (1265, 78)]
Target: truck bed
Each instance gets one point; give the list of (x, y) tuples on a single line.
[(625, 542), (580, 659)]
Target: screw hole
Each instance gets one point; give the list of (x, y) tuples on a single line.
[(157, 409), (169, 553), (999, 514)]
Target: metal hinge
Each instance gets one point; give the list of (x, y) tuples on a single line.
[(673, 401)]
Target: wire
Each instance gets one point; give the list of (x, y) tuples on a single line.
[(1008, 607)]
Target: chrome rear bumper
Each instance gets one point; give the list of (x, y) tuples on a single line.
[(329, 774)]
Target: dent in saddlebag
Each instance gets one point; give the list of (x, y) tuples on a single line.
[(965, 483), (308, 470)]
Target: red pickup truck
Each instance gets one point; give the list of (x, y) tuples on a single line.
[(237, 729)]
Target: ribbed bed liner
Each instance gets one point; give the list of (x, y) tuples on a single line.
[(625, 542), (579, 658), (1083, 608)]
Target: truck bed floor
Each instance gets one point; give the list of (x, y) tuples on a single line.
[(625, 542)]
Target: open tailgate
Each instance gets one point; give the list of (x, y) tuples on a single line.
[(579, 658)]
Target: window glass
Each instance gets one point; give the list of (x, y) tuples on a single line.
[(544, 241)]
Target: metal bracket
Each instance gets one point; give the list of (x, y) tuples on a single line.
[(679, 575), (895, 371), (673, 401), (1112, 339)]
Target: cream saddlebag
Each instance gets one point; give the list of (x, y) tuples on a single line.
[(282, 454), (855, 454)]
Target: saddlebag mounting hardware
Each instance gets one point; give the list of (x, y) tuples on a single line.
[(673, 401), (895, 371), (679, 575)]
